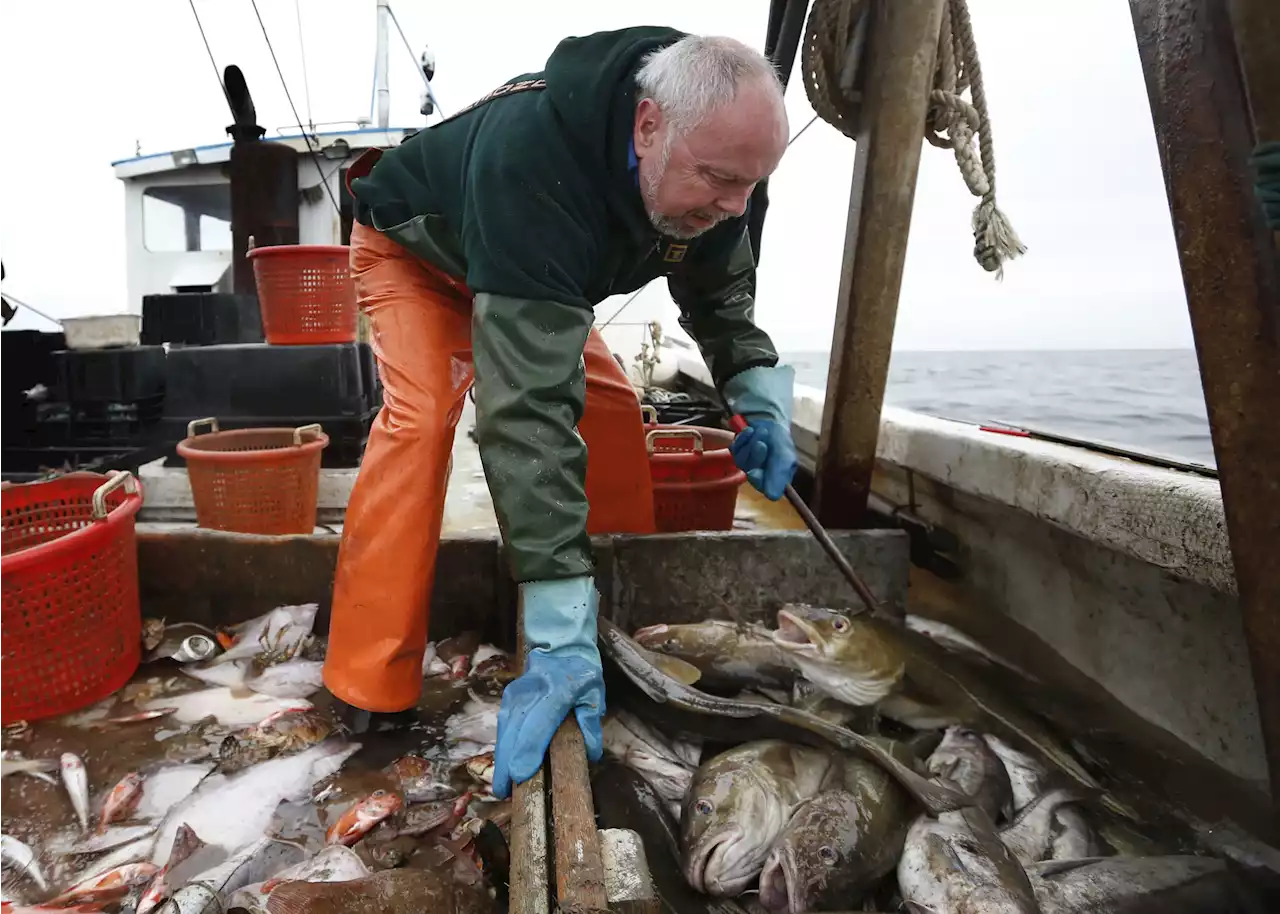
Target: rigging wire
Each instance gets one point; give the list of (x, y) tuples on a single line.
[(302, 49), (636, 294), (217, 74), (430, 92), (306, 137)]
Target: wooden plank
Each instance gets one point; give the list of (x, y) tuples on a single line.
[(628, 882), (902, 42), (530, 882), (1200, 108), (580, 884)]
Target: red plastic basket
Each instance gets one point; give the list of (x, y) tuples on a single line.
[(72, 626), (305, 293), (254, 480), (695, 481)]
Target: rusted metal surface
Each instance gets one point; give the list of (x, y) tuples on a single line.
[(902, 41), (1257, 33), (264, 203), (1201, 112)]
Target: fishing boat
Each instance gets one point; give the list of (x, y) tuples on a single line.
[(1109, 572)]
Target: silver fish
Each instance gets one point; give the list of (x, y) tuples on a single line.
[(21, 856), (1073, 837), (1030, 835), (116, 836), (964, 759), (77, 783), (14, 763), (633, 742), (739, 802), (943, 869), (1027, 774), (1137, 885)]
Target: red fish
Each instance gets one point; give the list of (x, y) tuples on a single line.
[(110, 886), (355, 823), (122, 800)]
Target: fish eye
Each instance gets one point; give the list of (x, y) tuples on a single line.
[(828, 855), (378, 794), (703, 807), (840, 624)]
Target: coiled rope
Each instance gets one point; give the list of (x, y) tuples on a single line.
[(831, 58)]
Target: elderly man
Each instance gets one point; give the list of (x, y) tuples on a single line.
[(482, 245)]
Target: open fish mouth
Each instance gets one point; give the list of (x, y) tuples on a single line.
[(720, 866), (778, 889), (794, 633)]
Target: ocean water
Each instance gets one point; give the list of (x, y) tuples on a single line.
[(1145, 400)]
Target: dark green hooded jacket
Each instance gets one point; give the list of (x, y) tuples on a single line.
[(530, 197)]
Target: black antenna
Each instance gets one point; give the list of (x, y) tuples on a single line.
[(246, 127)]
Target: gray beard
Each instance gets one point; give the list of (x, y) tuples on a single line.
[(665, 224)]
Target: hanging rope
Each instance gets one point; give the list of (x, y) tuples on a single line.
[(832, 58)]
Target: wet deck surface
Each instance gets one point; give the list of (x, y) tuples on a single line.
[(468, 509)]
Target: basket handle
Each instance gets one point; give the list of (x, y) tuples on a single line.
[(649, 414), (312, 429), (674, 433), (118, 478), (198, 423)]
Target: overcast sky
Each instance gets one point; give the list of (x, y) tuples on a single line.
[(86, 83)]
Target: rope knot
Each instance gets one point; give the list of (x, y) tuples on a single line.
[(831, 56)]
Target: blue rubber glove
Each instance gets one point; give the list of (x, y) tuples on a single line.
[(562, 673), (764, 450)]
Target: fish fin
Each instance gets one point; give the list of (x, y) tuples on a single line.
[(914, 907), (1047, 868)]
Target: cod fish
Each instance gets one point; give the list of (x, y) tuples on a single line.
[(624, 799), (1146, 885), (738, 804), (1031, 835), (864, 660), (945, 870), (630, 740), (1073, 837), (964, 759), (688, 713), (838, 844), (403, 891), (728, 655), (952, 639)]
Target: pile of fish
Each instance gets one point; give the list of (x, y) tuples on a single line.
[(845, 762), (243, 794)]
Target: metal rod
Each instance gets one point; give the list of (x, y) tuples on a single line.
[(820, 534)]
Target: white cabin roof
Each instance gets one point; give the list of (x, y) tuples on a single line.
[(216, 153)]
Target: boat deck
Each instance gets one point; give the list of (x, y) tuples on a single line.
[(468, 507)]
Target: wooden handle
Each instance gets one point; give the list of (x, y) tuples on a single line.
[(580, 884), (530, 881)]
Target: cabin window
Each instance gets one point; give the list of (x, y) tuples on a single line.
[(187, 217)]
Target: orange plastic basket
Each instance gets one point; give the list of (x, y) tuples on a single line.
[(305, 293), (695, 481), (254, 480), (71, 625)]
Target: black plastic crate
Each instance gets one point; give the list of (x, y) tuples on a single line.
[(101, 376), (258, 381), (347, 434), (200, 319), (26, 362)]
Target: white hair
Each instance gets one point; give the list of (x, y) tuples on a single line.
[(699, 74)]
